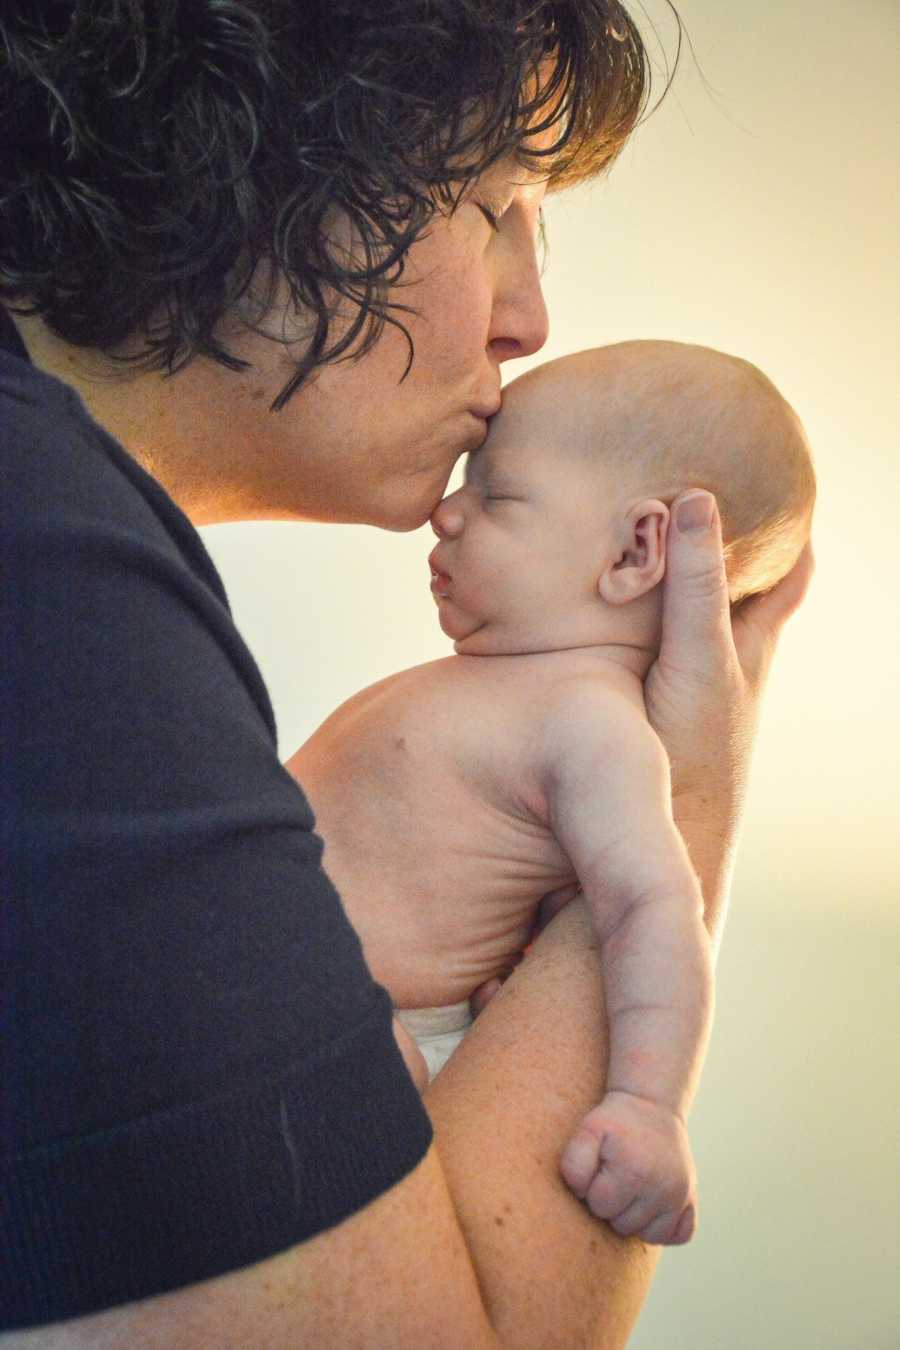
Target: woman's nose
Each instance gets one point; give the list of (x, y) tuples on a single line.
[(519, 322)]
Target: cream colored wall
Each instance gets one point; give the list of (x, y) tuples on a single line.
[(757, 213)]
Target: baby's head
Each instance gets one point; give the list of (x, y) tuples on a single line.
[(558, 537)]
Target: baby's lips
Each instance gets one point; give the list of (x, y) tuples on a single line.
[(434, 563), (439, 580)]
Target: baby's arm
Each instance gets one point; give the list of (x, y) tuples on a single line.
[(608, 795)]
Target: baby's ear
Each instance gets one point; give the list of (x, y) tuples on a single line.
[(639, 563)]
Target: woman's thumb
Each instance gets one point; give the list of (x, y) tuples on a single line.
[(696, 612)]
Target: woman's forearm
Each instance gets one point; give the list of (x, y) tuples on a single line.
[(709, 831), (503, 1107)]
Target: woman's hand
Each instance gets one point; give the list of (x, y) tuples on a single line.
[(703, 692)]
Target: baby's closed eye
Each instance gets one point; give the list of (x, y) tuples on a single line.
[(499, 495)]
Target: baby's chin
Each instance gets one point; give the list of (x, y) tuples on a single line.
[(496, 638), (455, 622), (487, 641), (474, 645), (473, 636)]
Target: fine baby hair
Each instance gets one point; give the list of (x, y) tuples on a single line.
[(661, 417)]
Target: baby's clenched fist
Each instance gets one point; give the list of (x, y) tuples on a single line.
[(631, 1163)]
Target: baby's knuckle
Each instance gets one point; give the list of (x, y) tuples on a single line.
[(675, 1192)]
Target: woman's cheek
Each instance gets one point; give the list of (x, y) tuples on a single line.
[(467, 302)]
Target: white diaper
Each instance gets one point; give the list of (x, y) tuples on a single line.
[(437, 1031)]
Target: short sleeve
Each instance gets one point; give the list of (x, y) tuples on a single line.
[(198, 1069)]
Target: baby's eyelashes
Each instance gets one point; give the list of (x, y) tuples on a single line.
[(502, 497)]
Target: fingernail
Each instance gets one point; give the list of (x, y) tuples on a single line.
[(695, 513)]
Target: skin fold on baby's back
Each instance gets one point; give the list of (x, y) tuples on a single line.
[(427, 790)]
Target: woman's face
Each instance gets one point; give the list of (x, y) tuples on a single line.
[(356, 444), (359, 445)]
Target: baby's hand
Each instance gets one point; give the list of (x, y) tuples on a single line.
[(631, 1162)]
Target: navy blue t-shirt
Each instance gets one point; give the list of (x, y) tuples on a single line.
[(197, 1069)]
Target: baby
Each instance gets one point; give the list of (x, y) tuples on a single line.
[(453, 797)]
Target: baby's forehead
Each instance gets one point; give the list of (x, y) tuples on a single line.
[(552, 391), (492, 460), (518, 465), (560, 407)]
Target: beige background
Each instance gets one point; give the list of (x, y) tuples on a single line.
[(756, 211)]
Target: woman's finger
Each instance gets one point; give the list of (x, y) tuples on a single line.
[(483, 995), (759, 620)]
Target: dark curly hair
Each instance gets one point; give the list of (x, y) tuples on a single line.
[(156, 152)]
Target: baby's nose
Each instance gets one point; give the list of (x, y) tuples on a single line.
[(447, 517)]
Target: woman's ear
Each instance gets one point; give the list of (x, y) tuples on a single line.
[(640, 562)]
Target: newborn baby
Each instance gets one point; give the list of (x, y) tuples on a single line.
[(453, 797)]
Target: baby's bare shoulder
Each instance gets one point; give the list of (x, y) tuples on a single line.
[(591, 718), (459, 708), (554, 694), (471, 685)]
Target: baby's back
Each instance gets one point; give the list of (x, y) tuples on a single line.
[(428, 789)]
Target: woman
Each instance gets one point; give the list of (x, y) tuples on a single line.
[(204, 207)]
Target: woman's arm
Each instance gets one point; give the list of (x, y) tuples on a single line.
[(503, 1107), (481, 1246)]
